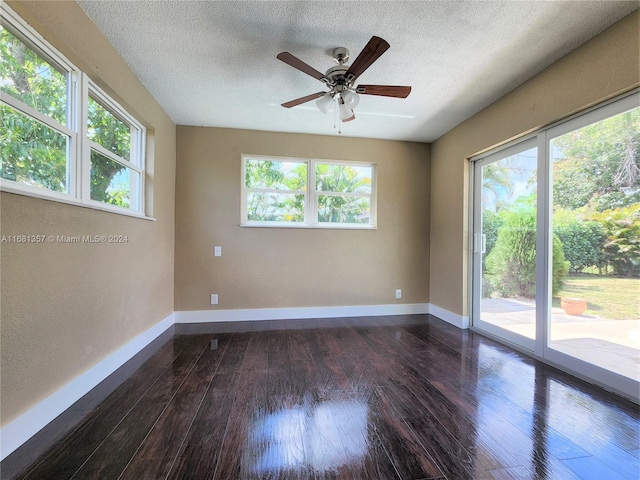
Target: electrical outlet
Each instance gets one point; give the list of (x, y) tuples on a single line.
[(214, 299), (398, 293), (217, 251)]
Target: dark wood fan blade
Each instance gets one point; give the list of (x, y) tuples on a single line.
[(384, 90), (376, 47), (302, 100), (295, 62)]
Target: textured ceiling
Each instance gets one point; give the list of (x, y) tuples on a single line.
[(213, 63)]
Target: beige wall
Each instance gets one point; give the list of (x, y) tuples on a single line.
[(605, 66), (67, 306), (274, 267)]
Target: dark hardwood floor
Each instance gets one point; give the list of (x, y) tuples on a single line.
[(406, 397)]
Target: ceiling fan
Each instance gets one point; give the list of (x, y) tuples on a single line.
[(341, 79)]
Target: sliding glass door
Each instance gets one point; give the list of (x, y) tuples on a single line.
[(556, 245), (504, 243)]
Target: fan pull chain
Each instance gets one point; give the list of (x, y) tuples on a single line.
[(336, 117)]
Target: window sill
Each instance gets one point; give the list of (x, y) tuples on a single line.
[(320, 226), (35, 192)]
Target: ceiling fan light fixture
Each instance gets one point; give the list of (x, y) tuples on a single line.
[(346, 113), (351, 99), (324, 102), (352, 117)]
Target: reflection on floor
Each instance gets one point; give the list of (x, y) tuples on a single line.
[(610, 344), (320, 436), (407, 397)]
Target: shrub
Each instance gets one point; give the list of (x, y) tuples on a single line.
[(622, 246), (511, 265), (560, 266), (582, 243), (491, 222)]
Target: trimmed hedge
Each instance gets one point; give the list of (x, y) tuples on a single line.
[(583, 243), (511, 265)]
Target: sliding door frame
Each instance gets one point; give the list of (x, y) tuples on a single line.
[(609, 380), (477, 243)]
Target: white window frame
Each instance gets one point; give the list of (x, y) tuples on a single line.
[(310, 195), (136, 148), (79, 87), (35, 42)]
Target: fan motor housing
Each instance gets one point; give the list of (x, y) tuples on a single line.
[(340, 55), (336, 75)]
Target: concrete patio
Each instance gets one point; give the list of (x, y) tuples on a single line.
[(610, 344)]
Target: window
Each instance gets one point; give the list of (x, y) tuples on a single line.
[(62, 137), (291, 192), (115, 152), (35, 140)]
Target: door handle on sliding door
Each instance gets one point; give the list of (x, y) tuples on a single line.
[(479, 243)]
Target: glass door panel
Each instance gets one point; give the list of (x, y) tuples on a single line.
[(505, 244), (595, 259), (556, 245)]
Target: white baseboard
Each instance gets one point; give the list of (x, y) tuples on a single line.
[(205, 316), (18, 431), (459, 321)]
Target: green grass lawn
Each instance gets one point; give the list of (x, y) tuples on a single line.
[(607, 297)]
